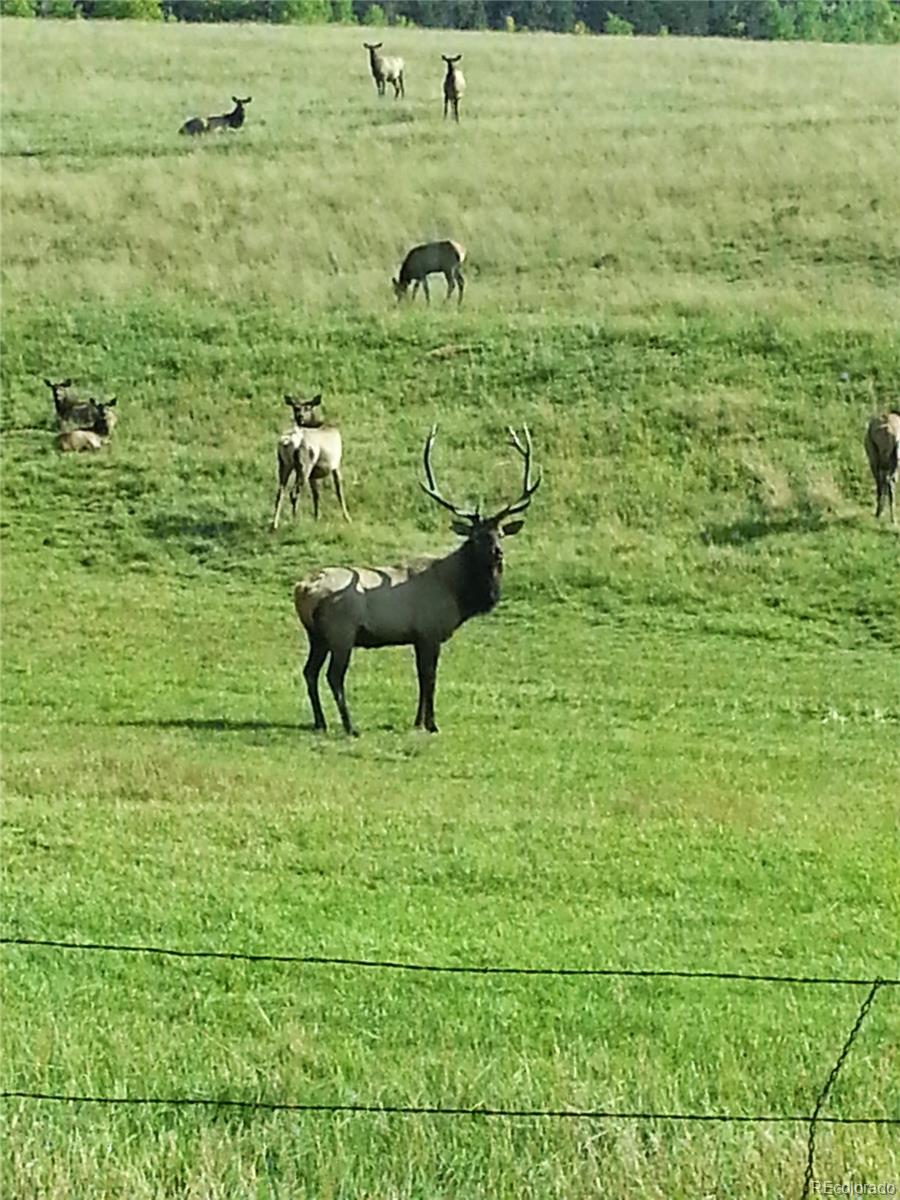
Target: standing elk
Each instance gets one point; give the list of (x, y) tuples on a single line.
[(385, 70), (310, 451), (882, 444), (69, 409), (421, 603), (432, 258), (454, 85), (229, 120)]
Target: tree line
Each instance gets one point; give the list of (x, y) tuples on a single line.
[(767, 20)]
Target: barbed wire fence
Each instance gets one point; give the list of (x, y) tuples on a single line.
[(812, 1120)]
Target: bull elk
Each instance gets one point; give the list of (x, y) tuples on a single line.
[(385, 70), (419, 604), (308, 452), (882, 448), (432, 258), (454, 85)]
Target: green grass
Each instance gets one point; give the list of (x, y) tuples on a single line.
[(675, 742)]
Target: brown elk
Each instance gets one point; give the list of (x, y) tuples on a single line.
[(432, 258), (882, 444), (454, 85), (310, 451), (385, 70), (93, 437), (421, 603), (229, 120), (69, 409)]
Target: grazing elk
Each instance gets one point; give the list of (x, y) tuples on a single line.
[(69, 409), (385, 70), (93, 437), (454, 85), (309, 452), (229, 120), (883, 447), (421, 603), (431, 258)]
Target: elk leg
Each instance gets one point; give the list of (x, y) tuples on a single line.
[(460, 285), (339, 491), (425, 289), (337, 669), (446, 102), (415, 289), (456, 111), (279, 500), (448, 275), (318, 652), (314, 492), (426, 667)]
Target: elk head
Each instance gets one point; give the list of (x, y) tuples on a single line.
[(241, 103), (304, 416), (483, 534), (371, 46)]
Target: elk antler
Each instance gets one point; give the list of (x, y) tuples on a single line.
[(430, 488), (528, 488)]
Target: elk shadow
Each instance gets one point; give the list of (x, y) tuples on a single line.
[(751, 529), (211, 725)]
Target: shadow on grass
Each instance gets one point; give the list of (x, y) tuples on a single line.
[(187, 528), (751, 529), (213, 725)]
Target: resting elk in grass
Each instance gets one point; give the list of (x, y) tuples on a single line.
[(308, 452), (454, 85), (229, 120), (385, 70), (419, 604), (92, 438), (883, 447), (431, 258)]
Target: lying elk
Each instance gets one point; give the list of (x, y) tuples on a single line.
[(883, 448), (309, 452), (454, 85), (229, 120), (69, 409), (194, 125), (432, 258), (420, 604), (385, 70), (94, 437)]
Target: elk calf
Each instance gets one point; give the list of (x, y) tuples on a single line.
[(420, 604), (385, 70), (309, 452), (454, 85), (882, 444), (229, 120), (431, 258)]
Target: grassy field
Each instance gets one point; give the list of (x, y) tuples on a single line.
[(674, 744)]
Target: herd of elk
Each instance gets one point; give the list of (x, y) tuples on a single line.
[(419, 604), (308, 452), (432, 258)]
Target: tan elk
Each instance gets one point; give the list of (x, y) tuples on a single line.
[(419, 604), (308, 452), (69, 409), (432, 258), (385, 70), (454, 85), (882, 448), (91, 438), (229, 120)]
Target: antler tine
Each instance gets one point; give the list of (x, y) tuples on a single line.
[(528, 488), (431, 489)]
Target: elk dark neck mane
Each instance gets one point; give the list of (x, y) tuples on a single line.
[(479, 588)]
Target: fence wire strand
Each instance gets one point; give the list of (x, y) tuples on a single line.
[(445, 968)]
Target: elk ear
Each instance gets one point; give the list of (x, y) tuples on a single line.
[(289, 399), (463, 528), (316, 401), (66, 383), (111, 403), (511, 528)]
